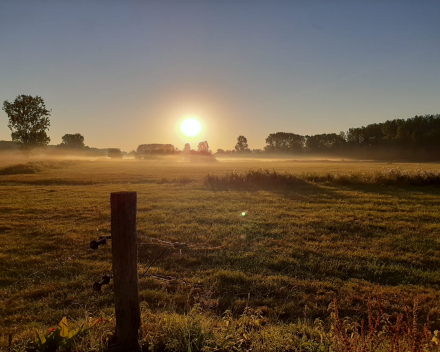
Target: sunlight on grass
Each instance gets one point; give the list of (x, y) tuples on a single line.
[(307, 236)]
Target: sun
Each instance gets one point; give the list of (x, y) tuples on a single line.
[(191, 127)]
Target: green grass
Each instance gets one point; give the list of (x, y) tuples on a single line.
[(307, 238)]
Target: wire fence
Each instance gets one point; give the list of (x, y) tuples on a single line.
[(102, 240)]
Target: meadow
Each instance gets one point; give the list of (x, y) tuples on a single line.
[(272, 245)]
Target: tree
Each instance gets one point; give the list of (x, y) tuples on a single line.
[(28, 121), (203, 148), (285, 142), (324, 142), (114, 153), (186, 148), (73, 140), (355, 136), (241, 145)]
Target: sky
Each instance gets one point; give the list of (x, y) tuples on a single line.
[(124, 73)]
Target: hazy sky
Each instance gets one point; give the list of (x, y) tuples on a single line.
[(123, 73)]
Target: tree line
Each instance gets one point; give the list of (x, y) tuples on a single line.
[(414, 137), (417, 137)]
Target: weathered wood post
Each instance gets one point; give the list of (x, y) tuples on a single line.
[(125, 273)]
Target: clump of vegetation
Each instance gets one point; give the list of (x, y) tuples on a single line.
[(265, 177), (389, 176), (115, 153), (250, 331), (59, 338), (382, 331), (33, 167), (260, 177), (253, 331)]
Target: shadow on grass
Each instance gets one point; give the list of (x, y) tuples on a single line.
[(401, 192)]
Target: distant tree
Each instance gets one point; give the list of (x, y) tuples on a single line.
[(220, 151), (403, 136), (28, 121), (203, 148), (324, 142), (242, 144), (114, 153), (285, 142), (389, 129), (355, 136), (187, 148), (73, 140)]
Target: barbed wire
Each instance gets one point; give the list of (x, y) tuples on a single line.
[(154, 261), (178, 245), (103, 240)]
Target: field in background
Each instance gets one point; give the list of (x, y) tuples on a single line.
[(299, 247)]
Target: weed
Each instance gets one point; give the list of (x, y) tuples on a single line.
[(59, 338), (383, 331)]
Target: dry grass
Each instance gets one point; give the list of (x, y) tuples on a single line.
[(299, 247), (33, 167), (274, 178)]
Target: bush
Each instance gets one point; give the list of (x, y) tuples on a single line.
[(115, 153)]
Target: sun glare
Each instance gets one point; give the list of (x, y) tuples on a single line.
[(191, 127)]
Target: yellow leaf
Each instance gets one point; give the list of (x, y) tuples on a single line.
[(40, 337), (74, 332), (64, 327)]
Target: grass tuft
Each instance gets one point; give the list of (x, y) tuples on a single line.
[(34, 167), (265, 177), (260, 177)]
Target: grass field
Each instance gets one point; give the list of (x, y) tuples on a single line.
[(300, 245)]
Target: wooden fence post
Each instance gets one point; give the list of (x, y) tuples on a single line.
[(125, 273)]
